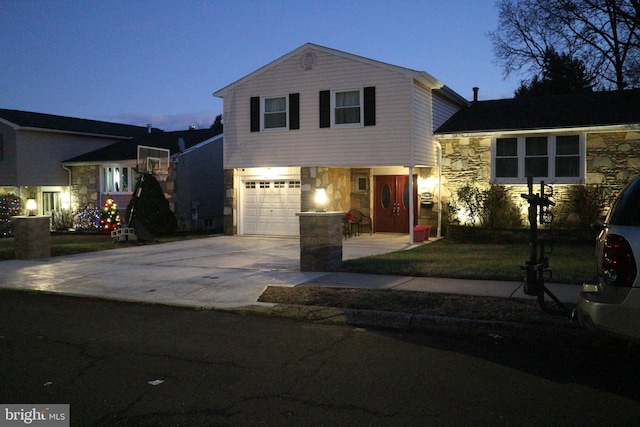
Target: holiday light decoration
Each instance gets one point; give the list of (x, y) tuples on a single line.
[(10, 205), (87, 218), (109, 217)]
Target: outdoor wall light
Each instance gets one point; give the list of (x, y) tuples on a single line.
[(321, 199), (31, 207)]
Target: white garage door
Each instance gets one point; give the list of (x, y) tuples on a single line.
[(270, 206)]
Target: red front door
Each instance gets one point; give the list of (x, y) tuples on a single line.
[(391, 203)]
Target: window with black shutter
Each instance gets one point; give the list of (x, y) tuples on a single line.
[(255, 114)]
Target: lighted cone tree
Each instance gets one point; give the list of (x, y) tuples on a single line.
[(150, 208), (109, 217)]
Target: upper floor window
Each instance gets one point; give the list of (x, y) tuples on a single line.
[(274, 113), (555, 159), (353, 107), (118, 179), (346, 107)]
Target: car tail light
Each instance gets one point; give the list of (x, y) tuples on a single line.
[(618, 263)]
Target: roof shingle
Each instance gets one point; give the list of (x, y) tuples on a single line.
[(71, 124), (547, 112), (128, 149)]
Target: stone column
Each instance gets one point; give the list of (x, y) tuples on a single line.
[(320, 240), (32, 237)]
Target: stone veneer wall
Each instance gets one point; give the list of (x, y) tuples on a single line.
[(361, 200), (85, 183), (320, 241), (337, 182), (613, 159), (230, 203)]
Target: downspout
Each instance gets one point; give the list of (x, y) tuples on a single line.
[(69, 171), (411, 203), (439, 232)]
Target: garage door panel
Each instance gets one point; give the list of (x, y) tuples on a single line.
[(270, 207)]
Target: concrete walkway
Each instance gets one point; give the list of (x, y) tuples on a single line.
[(227, 272)]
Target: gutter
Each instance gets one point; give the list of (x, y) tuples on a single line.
[(67, 132)]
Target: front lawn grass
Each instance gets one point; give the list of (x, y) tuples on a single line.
[(444, 258)]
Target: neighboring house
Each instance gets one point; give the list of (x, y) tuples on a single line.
[(563, 140), (33, 145), (318, 118), (193, 185)]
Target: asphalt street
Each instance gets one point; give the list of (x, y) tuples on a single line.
[(119, 363)]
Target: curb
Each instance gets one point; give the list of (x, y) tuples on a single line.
[(397, 321)]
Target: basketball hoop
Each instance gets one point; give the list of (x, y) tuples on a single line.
[(153, 160), (161, 174)]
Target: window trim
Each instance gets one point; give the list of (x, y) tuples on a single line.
[(263, 101), (360, 122), (131, 178), (521, 179)]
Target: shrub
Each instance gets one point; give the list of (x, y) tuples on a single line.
[(491, 208), (465, 204), (584, 205), (499, 209), (62, 221)]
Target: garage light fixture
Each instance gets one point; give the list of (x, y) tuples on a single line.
[(31, 206), (321, 199)]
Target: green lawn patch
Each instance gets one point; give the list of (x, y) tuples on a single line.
[(569, 263)]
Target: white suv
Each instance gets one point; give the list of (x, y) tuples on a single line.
[(612, 306)]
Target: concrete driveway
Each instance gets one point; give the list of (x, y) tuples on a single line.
[(218, 272)]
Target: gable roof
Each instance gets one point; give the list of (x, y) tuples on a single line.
[(421, 76), (30, 120), (547, 112), (128, 149)]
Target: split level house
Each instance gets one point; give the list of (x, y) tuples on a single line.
[(67, 163), (318, 118), (396, 143)]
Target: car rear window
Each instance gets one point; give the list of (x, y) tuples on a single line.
[(626, 210)]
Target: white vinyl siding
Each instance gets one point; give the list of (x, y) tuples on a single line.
[(423, 153), (442, 110), (387, 143)]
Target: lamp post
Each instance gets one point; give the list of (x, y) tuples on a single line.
[(31, 206), (32, 235), (320, 199)]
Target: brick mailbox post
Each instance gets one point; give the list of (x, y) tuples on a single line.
[(320, 240), (32, 237)]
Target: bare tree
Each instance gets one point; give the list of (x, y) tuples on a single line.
[(603, 34)]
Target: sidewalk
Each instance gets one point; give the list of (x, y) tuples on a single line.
[(226, 272)]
